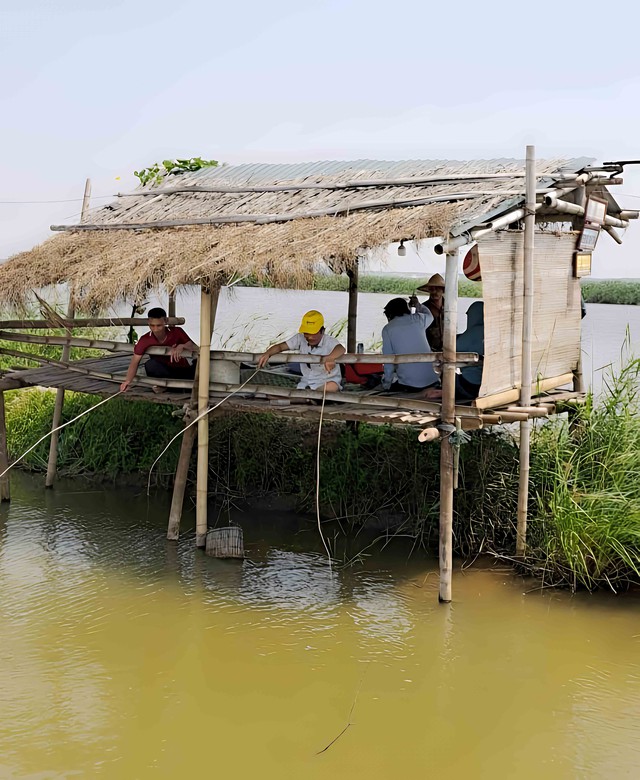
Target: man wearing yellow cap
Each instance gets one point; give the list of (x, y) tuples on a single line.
[(435, 305), (311, 339)]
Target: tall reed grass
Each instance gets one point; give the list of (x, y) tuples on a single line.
[(586, 474)]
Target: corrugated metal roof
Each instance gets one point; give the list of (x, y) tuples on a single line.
[(329, 188), (276, 173)]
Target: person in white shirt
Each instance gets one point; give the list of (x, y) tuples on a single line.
[(311, 339)]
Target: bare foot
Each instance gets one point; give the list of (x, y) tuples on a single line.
[(432, 394), (157, 389)]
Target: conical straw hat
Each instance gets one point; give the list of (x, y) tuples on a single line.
[(435, 281)]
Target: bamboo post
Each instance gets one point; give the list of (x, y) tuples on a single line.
[(448, 417), (352, 314), (207, 299), (5, 485), (66, 349), (580, 197), (172, 304), (186, 447), (527, 336)]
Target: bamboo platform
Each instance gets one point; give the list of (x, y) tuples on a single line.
[(259, 401)]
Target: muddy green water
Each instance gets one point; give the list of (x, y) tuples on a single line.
[(125, 656)]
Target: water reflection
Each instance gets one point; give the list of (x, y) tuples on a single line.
[(121, 652)]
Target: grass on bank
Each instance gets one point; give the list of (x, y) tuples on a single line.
[(614, 291), (586, 476)]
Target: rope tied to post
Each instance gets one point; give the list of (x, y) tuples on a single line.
[(456, 436)]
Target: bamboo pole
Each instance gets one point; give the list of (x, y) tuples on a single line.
[(186, 446), (52, 463), (462, 358), (527, 345), (352, 314), (379, 400), (79, 341), (172, 304), (207, 302), (5, 484), (348, 185), (448, 416), (270, 219), (94, 322), (508, 397)]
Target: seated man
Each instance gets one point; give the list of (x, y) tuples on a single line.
[(405, 334), (173, 365), (311, 339), (469, 379)]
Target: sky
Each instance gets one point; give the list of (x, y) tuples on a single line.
[(99, 90)]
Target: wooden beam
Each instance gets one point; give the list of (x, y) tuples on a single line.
[(208, 303), (408, 181), (448, 415), (186, 446), (507, 397), (527, 347), (385, 401), (352, 313), (5, 485), (270, 219), (462, 358), (95, 322)]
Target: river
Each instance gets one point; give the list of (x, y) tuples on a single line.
[(126, 656)]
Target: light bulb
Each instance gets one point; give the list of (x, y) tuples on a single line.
[(402, 249)]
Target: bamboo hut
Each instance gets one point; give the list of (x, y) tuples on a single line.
[(276, 223)]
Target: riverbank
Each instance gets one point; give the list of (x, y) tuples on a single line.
[(613, 291), (584, 528)]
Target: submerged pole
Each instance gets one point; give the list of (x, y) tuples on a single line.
[(204, 356), (52, 463), (527, 336), (186, 447), (448, 418), (5, 485), (352, 314)]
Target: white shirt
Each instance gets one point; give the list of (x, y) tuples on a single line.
[(315, 375)]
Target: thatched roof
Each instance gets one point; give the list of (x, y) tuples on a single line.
[(268, 221)]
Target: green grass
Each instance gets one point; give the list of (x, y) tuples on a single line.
[(585, 529), (611, 291), (594, 291), (120, 437)]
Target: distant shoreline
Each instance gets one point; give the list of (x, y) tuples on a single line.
[(612, 291)]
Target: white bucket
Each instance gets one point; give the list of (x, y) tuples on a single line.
[(225, 371)]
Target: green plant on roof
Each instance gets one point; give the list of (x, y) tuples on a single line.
[(155, 173)]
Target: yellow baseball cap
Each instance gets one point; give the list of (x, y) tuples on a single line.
[(311, 322)]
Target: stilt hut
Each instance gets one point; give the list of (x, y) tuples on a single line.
[(533, 225)]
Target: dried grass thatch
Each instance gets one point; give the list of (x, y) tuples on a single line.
[(105, 267), (273, 222)]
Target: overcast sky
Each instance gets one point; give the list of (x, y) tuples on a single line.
[(100, 89)]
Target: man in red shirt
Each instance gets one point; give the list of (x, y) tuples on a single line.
[(173, 365)]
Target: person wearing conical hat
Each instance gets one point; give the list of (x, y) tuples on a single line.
[(311, 339), (435, 305)]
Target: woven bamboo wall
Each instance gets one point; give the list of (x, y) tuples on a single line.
[(556, 314)]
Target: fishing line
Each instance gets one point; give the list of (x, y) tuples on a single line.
[(324, 394), (193, 422), (64, 425)]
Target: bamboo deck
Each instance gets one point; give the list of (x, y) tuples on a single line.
[(243, 402)]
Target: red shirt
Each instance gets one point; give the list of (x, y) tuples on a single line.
[(172, 337)]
